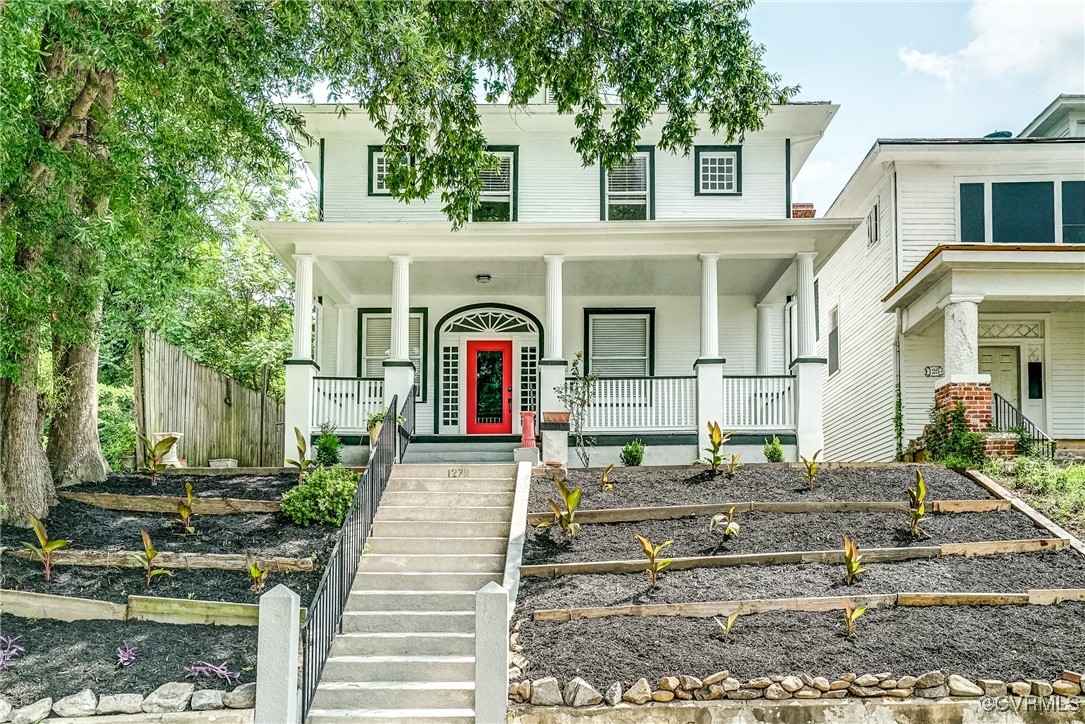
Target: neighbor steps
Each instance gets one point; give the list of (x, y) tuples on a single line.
[(407, 651)]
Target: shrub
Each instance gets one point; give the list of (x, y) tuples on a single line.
[(950, 442), (774, 451), (324, 497), (116, 424), (327, 446), (632, 453), (1058, 490)]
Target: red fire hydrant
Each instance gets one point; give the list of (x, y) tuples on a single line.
[(527, 429)]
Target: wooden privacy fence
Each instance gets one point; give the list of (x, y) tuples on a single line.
[(219, 417)]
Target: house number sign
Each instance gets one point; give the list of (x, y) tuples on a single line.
[(933, 371)]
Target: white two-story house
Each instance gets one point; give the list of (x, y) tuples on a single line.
[(683, 280), (969, 269)]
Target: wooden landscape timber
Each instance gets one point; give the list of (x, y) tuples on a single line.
[(171, 560), (1042, 597), (870, 555), (26, 604), (1021, 506), (167, 504), (669, 512)]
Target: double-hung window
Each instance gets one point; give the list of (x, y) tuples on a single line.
[(872, 230), (627, 188), (497, 202), (619, 342), (375, 343), (717, 170), (380, 164), (1022, 212)]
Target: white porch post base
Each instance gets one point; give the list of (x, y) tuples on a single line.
[(491, 653), (277, 655), (398, 381), (298, 409), (809, 421), (709, 397), (551, 377)]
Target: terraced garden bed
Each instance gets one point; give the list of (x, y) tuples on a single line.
[(242, 485)]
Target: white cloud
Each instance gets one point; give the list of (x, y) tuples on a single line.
[(1014, 39)]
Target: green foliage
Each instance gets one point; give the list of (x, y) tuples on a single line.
[(898, 418), (733, 465), (116, 424), (257, 575), (811, 466), (323, 497), (773, 450), (917, 505), (577, 395), (725, 526), (850, 614), (45, 548), (632, 453), (950, 442), (147, 558), (655, 563), (302, 463), (725, 627), (604, 478), (327, 445), (154, 454), (716, 440), (184, 510), (380, 416), (1024, 446), (853, 561), (566, 519), (1058, 490)]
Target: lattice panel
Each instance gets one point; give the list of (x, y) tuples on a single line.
[(1011, 330), (450, 386), (529, 379), (1035, 354)]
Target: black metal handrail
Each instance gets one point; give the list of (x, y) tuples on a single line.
[(1007, 418), (406, 428), (324, 618)]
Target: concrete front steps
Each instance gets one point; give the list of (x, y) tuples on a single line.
[(439, 453), (407, 651)]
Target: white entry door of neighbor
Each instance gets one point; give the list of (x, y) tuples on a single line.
[(1004, 366)]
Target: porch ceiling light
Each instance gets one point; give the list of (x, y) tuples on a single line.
[(483, 278)]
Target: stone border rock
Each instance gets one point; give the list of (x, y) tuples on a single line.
[(171, 698)]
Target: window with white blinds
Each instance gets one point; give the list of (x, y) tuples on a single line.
[(628, 190), (376, 335), (619, 344), (497, 202)]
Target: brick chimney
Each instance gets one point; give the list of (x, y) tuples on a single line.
[(802, 210)]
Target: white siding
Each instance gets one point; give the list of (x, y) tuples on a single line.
[(859, 399), (1066, 376), (917, 352)]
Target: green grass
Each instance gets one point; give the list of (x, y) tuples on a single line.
[(1056, 490)]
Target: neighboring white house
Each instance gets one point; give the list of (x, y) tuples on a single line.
[(970, 267), (684, 281)]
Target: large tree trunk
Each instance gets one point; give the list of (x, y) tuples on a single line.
[(25, 483), (74, 450)]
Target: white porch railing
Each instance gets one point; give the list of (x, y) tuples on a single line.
[(643, 404), (758, 402), (345, 401)]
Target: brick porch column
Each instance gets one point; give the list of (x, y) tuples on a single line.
[(962, 381)]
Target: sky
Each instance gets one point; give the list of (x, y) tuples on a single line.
[(918, 69)]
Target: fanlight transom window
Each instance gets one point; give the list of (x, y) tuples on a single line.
[(490, 322)]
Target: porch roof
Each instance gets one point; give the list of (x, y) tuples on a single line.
[(992, 272)]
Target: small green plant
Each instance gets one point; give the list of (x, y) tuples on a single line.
[(257, 575), (373, 419), (949, 440), (773, 450), (632, 453), (147, 558), (853, 561), (725, 525), (604, 478), (154, 455), (184, 510), (917, 507), (327, 446), (44, 553), (655, 563), (566, 519), (302, 463), (725, 627), (733, 465), (811, 469), (323, 497), (850, 614), (716, 440)]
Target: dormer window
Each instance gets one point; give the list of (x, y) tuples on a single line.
[(627, 188), (717, 170), (497, 202)]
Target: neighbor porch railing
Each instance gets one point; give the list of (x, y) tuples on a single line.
[(1007, 418), (346, 401), (643, 404), (758, 402)]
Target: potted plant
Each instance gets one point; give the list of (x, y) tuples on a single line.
[(374, 421)]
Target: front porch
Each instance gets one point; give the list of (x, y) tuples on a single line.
[(679, 325)]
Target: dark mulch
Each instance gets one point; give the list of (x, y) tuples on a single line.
[(1005, 573), (1002, 642), (250, 487), (64, 658), (644, 487), (764, 532), (88, 526)]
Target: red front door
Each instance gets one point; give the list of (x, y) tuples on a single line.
[(489, 388)]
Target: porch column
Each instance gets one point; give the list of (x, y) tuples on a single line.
[(552, 366), (962, 381), (709, 365), (398, 368), (770, 317), (809, 370), (346, 343), (300, 368)]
